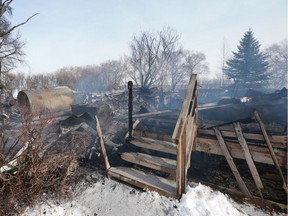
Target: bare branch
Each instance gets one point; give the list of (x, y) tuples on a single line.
[(16, 26)]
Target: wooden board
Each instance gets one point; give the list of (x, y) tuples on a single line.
[(231, 163), (274, 158), (248, 156), (143, 126), (153, 135), (278, 141), (259, 154), (185, 106), (143, 115), (164, 123), (144, 180), (103, 149), (158, 145), (153, 162)]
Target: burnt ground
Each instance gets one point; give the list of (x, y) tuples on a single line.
[(214, 171)]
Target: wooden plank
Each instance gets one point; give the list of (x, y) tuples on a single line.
[(188, 159), (158, 127), (134, 126), (180, 162), (282, 139), (248, 157), (246, 120), (158, 145), (152, 135), (231, 163), (153, 162), (278, 141), (150, 127), (185, 106), (259, 154), (212, 106), (190, 132), (161, 121), (144, 180), (151, 114), (107, 164), (270, 149)]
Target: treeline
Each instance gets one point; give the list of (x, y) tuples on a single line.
[(103, 77), (158, 59), (155, 59)]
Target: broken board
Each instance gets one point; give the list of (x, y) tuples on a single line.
[(144, 180), (152, 162)]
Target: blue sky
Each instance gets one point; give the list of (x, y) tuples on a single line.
[(85, 32)]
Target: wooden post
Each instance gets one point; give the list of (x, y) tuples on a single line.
[(130, 108), (248, 157), (270, 149), (184, 162), (180, 162), (231, 163), (107, 164)]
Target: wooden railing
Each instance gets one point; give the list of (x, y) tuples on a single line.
[(185, 133)]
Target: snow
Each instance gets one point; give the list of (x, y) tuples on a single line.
[(111, 198)]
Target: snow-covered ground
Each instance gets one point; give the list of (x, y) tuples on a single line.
[(109, 197)]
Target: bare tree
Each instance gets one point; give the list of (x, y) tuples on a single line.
[(144, 59), (11, 47), (66, 76), (277, 58), (112, 74), (195, 62), (224, 56), (159, 59), (171, 69), (153, 56)]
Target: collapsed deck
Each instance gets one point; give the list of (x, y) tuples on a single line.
[(164, 142)]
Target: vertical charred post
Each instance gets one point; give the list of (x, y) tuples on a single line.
[(130, 108)]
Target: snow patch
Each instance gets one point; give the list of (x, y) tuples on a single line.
[(111, 198)]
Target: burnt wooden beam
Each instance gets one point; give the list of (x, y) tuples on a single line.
[(103, 149), (248, 157), (278, 141), (192, 88), (133, 127), (159, 122), (152, 135), (275, 161), (130, 107), (244, 120), (259, 154), (152, 114), (231, 163), (180, 170)]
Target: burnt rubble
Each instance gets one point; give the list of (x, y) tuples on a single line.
[(77, 126)]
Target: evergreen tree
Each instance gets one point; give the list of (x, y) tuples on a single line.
[(248, 65)]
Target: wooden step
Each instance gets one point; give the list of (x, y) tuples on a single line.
[(152, 128), (152, 135), (153, 144), (153, 162), (144, 180)]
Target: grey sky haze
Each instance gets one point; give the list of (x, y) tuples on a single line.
[(85, 32)]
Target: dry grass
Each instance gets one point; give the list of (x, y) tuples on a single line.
[(37, 171)]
